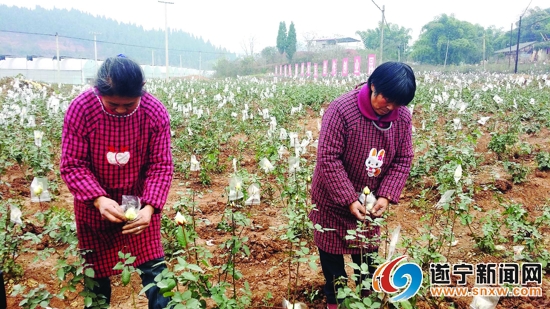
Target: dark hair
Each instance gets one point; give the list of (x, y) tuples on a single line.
[(120, 76), (395, 81)]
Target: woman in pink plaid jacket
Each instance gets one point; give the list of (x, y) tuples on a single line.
[(116, 141), (365, 140)]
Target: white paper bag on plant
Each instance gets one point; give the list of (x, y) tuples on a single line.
[(292, 136), (235, 165), (303, 145), (458, 173), (195, 165), (282, 151), (309, 136), (38, 135), (367, 198), (266, 165), (484, 302), (315, 143), (283, 135), (39, 190), (235, 188), (253, 195), (517, 252), (293, 164), (15, 215)]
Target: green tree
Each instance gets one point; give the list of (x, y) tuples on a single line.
[(447, 40), (291, 42), (396, 40), (281, 38), (269, 54), (535, 25)]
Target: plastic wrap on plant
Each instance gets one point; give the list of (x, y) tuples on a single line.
[(253, 195), (39, 190), (368, 200), (130, 201), (393, 241), (446, 198)]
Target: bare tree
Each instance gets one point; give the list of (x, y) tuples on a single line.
[(308, 38), (248, 45)]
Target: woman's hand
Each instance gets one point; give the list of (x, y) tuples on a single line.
[(109, 209), (358, 210), (140, 223), (380, 207)]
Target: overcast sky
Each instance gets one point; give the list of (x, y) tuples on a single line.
[(229, 24)]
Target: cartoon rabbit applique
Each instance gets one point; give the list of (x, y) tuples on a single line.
[(374, 162)]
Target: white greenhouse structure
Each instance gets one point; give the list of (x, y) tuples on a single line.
[(75, 71)]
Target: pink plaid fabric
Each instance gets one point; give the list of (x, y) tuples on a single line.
[(94, 162), (345, 142)]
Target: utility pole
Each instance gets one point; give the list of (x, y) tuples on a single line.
[(446, 53), (381, 31), (153, 58), (510, 57), (95, 46), (382, 36), (519, 32), (58, 60), (517, 46), (483, 50), (166, 33)]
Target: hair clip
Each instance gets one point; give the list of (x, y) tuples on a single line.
[(121, 56)]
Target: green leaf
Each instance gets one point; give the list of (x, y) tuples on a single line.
[(193, 303), (406, 304), (145, 288), (194, 267), (61, 274), (89, 272), (130, 260), (166, 285), (125, 276), (180, 237), (189, 276), (87, 301)]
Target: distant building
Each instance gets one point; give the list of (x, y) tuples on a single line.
[(525, 51), (345, 42)]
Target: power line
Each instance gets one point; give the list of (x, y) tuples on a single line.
[(114, 43)]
